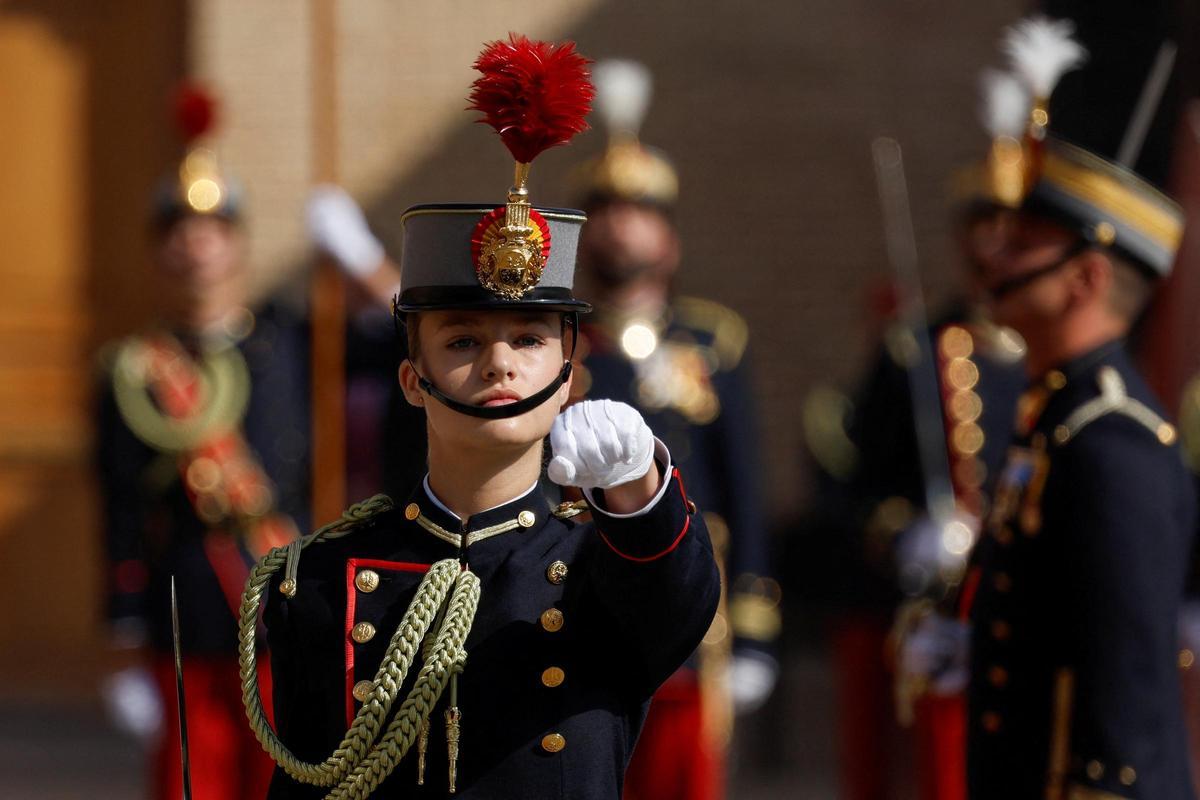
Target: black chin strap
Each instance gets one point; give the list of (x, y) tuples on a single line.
[(507, 410)]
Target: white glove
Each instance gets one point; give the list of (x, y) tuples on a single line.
[(750, 679), (133, 704), (337, 226), (938, 649), (599, 444)]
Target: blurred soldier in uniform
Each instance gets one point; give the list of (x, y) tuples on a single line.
[(899, 581), (681, 361), (202, 448), (1076, 583), (477, 641)]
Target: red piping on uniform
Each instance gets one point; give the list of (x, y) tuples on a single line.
[(352, 567), (970, 586), (687, 521)]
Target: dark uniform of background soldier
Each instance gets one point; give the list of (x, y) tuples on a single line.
[(872, 515), (1076, 585), (681, 361), (202, 454), (577, 624)]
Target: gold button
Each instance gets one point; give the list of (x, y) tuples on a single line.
[(556, 572), (1001, 630), (1095, 770), (363, 632), (288, 587), (552, 620), (553, 676), (553, 742), (990, 721), (1002, 582), (691, 507), (526, 519), (998, 676), (367, 580), (1106, 234), (1061, 434), (956, 342), (412, 511), (1186, 658), (1055, 380), (1166, 433), (362, 690), (1127, 776)]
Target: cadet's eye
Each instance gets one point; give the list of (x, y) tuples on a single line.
[(530, 340), (460, 343)]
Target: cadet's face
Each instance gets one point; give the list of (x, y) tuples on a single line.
[(487, 358), (1030, 274), (200, 252), (624, 241)]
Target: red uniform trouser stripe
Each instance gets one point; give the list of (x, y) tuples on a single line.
[(673, 759), (227, 762)]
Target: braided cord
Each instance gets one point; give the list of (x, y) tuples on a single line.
[(446, 601)]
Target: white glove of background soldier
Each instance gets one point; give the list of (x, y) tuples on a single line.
[(133, 704), (939, 648), (599, 444), (337, 226), (750, 678)]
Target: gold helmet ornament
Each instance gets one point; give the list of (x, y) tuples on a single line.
[(536, 95), (627, 170)]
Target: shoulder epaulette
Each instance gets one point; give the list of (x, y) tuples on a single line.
[(727, 327), (1113, 399), (354, 517)]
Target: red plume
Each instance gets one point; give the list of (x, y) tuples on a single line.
[(195, 110), (535, 94)]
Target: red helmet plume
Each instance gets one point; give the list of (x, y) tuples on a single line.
[(535, 94)]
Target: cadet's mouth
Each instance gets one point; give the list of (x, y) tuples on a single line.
[(499, 397)]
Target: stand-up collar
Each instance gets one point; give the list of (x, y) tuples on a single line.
[(483, 531)]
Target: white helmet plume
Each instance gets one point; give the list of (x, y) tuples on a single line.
[(1005, 103), (622, 95), (1042, 50)]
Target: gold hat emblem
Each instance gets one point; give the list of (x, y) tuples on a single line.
[(511, 244)]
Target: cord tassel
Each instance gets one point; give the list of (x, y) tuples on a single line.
[(453, 728), (422, 749), (453, 720)]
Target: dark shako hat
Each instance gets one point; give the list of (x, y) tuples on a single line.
[(199, 185), (1094, 193), (536, 95), (477, 256)]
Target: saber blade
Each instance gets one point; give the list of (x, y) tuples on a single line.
[(183, 738)]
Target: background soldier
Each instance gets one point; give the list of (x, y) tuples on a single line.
[(878, 517), (681, 362), (203, 460), (1076, 586)]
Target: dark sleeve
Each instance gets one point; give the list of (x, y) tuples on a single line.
[(120, 460), (1126, 510), (655, 575), (752, 591)]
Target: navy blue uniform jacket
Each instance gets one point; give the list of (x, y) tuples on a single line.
[(638, 595), (1075, 688)]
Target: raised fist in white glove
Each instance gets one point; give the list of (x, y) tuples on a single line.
[(599, 444), (337, 226)]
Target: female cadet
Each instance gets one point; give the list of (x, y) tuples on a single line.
[(513, 647)]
